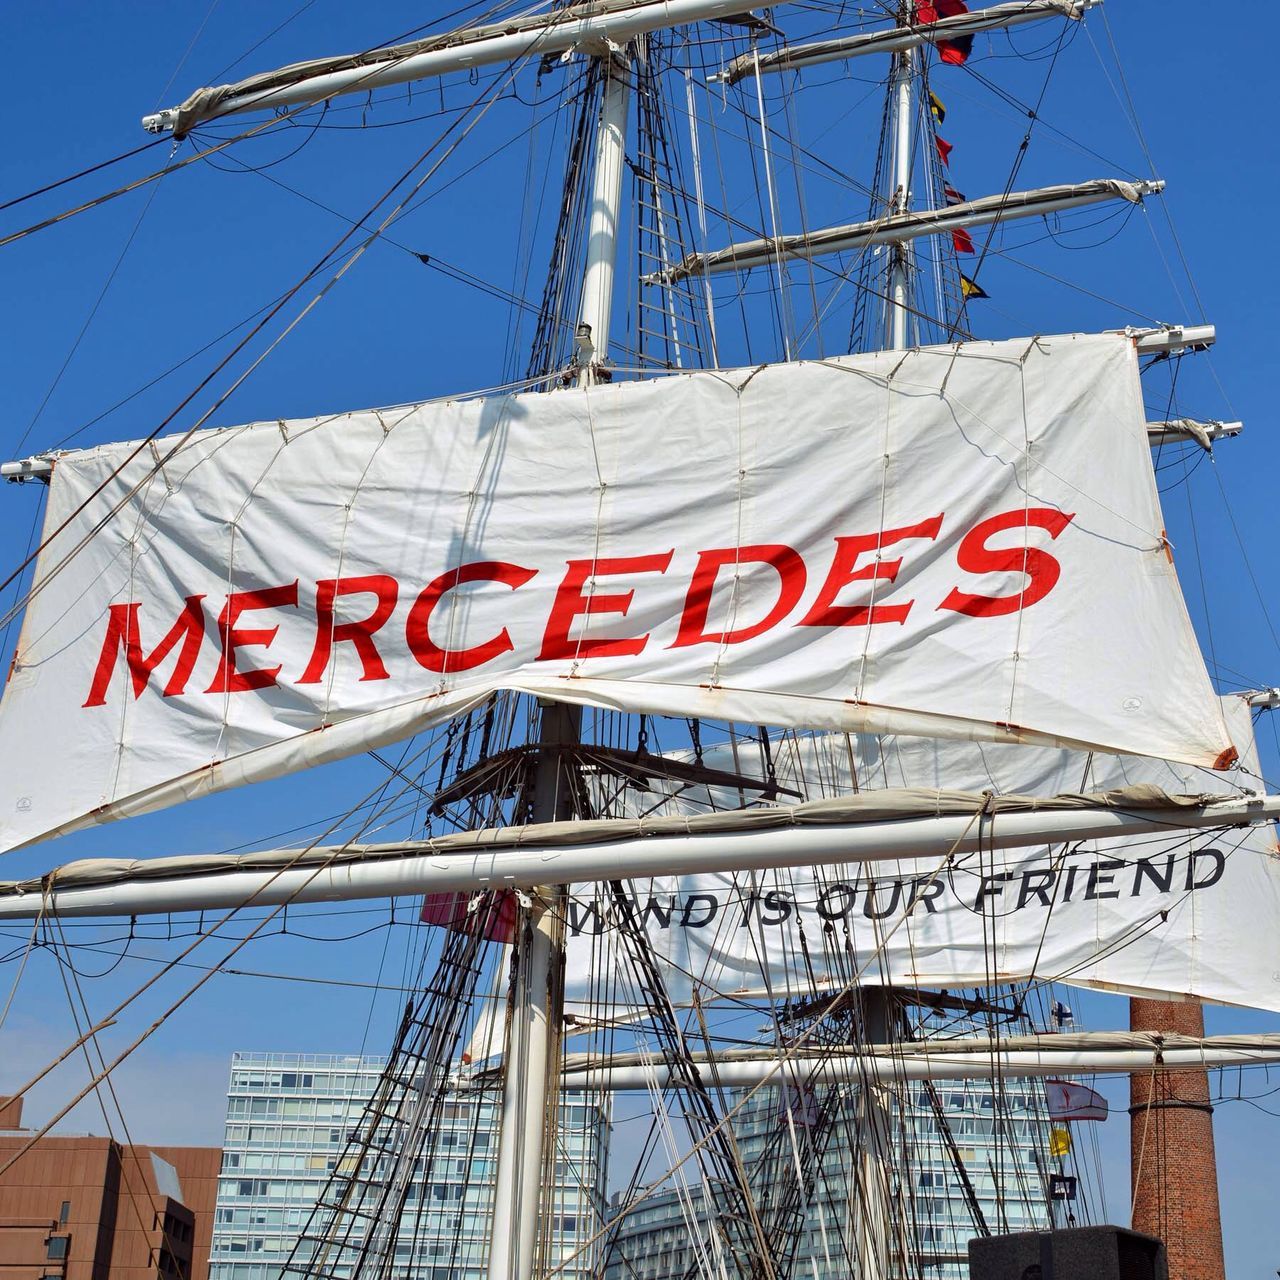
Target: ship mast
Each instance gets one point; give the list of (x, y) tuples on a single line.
[(530, 1081), (534, 1019), (602, 228), (902, 91), (879, 1020)]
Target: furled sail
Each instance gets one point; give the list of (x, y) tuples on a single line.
[(960, 541), (1179, 914), (1029, 1056)]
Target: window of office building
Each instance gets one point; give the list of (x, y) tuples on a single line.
[(303, 1111)]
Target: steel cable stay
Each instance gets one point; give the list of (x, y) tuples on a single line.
[(357, 1216), (353, 256), (1020, 155), (111, 1017), (89, 319), (85, 1028), (845, 993), (83, 173), (736, 1216), (272, 310), (240, 136)]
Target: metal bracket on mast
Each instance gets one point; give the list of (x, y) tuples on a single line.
[(1262, 699), (1170, 338), (38, 467)]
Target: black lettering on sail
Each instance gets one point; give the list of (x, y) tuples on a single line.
[(1145, 869), (843, 897), (874, 910), (1214, 873), (1036, 883), (1099, 874), (926, 891), (780, 903), (992, 887), (710, 906), (654, 909), (1071, 882), (583, 916)]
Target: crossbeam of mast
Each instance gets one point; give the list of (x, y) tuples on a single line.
[(1205, 434), (899, 227), (591, 28), (406, 869), (895, 39), (912, 1062)]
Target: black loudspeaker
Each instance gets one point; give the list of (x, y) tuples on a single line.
[(1075, 1253)]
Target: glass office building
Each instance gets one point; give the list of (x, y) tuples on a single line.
[(288, 1121), (999, 1140)]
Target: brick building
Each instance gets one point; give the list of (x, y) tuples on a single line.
[(85, 1208), (1174, 1172)]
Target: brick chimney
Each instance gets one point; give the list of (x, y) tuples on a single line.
[(1174, 1173)]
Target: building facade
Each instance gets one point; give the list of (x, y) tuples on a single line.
[(998, 1136), (80, 1207), (288, 1121)]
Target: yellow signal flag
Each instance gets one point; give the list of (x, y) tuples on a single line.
[(937, 107), (970, 288), (1059, 1141)]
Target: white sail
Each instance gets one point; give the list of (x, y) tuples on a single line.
[(1184, 913), (257, 600)]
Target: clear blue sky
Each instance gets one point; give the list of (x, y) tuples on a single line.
[(214, 246)]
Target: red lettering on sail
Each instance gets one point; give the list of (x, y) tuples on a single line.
[(417, 629), (329, 632), (1041, 569), (227, 678), (570, 604), (582, 595), (697, 604), (123, 631), (849, 550)]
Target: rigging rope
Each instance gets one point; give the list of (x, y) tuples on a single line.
[(352, 257)]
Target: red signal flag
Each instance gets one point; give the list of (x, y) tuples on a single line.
[(491, 914), (954, 52), (962, 241), (944, 150)]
